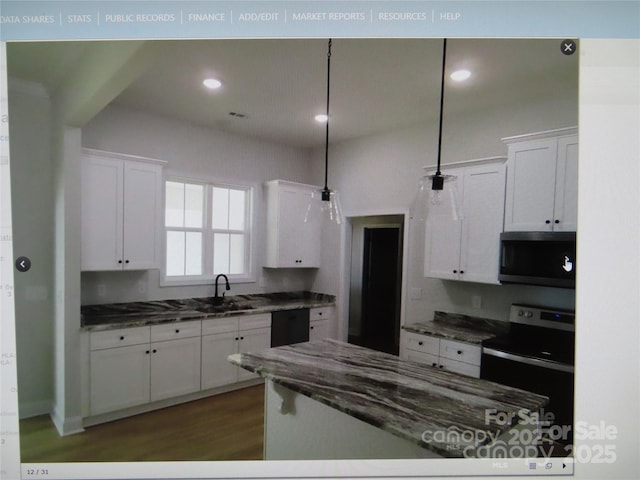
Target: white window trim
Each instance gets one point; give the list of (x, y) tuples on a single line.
[(208, 279)]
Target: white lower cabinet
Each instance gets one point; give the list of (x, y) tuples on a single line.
[(119, 378), (128, 368), (320, 322), (253, 340), (223, 337), (175, 368), (450, 355), (216, 370)]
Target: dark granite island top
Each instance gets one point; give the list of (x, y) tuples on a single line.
[(403, 398)]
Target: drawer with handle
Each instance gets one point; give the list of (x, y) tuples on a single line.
[(172, 331), (320, 313), (422, 343), (460, 351), (120, 337)]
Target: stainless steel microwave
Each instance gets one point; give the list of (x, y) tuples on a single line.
[(538, 258)]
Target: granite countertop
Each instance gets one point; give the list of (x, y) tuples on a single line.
[(463, 328), (136, 314), (404, 398)]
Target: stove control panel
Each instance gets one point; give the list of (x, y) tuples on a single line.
[(543, 317)]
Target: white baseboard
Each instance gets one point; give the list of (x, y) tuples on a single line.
[(66, 425)]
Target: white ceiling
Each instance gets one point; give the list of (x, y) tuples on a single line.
[(376, 84)]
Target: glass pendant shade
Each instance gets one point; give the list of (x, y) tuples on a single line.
[(331, 209), (441, 202), (324, 205)]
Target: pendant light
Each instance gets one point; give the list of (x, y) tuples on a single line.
[(437, 193), (329, 202)]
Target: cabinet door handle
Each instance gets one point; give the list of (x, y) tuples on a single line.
[(433, 364), (459, 352), (122, 338), (311, 327), (461, 271), (177, 330), (120, 261), (455, 271), (440, 366), (241, 338), (547, 221), (155, 351), (556, 221), (420, 343), (147, 352)]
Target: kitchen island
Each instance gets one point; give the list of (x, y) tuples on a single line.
[(331, 400)]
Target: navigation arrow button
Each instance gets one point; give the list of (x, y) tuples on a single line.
[(23, 264)]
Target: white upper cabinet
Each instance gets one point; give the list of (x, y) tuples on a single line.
[(292, 242), (542, 182), (566, 195), (121, 209), (467, 248)]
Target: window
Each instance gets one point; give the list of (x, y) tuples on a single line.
[(207, 230)]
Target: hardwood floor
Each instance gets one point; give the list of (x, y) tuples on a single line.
[(223, 427)]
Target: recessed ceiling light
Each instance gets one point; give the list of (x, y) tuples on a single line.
[(212, 83), (321, 118), (460, 75)]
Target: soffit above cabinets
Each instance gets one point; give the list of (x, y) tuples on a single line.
[(275, 87)]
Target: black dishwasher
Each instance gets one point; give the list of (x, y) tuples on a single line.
[(289, 326)]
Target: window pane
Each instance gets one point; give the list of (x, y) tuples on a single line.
[(220, 253), (236, 209), (193, 253), (193, 197), (174, 204), (184, 214), (175, 253), (236, 254), (220, 208)]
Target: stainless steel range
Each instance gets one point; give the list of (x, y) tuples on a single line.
[(537, 355)]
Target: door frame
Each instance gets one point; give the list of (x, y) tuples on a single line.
[(345, 263)]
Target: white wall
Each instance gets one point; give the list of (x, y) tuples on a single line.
[(32, 196), (195, 152)]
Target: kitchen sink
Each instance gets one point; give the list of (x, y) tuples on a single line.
[(209, 306)]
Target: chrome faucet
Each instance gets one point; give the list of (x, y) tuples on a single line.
[(216, 298)]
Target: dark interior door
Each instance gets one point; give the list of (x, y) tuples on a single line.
[(380, 288)]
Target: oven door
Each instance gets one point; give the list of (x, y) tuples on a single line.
[(544, 377)]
